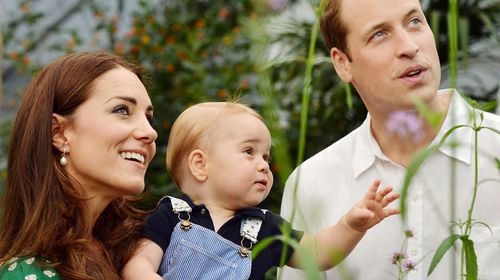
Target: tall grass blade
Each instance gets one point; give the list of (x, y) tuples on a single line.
[(470, 258), (442, 249)]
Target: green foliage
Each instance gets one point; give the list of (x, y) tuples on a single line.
[(470, 258), (5, 130), (478, 19), (201, 50), (441, 250), (194, 51)]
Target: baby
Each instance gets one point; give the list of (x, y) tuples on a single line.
[(218, 155)]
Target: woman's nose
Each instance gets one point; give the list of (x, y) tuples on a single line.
[(146, 132)]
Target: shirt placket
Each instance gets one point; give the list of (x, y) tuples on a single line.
[(416, 225)]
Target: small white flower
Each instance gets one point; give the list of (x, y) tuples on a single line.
[(12, 266), (13, 259), (30, 260), (49, 273), (30, 277)]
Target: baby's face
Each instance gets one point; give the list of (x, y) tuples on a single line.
[(238, 161)]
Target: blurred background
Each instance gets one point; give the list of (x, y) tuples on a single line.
[(209, 50)]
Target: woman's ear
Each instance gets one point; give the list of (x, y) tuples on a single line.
[(342, 64), (59, 124), (197, 165)]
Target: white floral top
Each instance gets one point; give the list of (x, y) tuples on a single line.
[(26, 269)]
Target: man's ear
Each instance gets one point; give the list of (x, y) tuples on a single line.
[(197, 165), (342, 64), (59, 124)]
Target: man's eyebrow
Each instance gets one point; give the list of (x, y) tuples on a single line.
[(382, 24), (411, 12)]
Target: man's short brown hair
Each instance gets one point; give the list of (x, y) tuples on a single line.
[(333, 29)]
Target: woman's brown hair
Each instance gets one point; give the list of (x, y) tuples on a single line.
[(43, 208)]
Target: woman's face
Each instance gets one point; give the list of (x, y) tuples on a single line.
[(110, 141)]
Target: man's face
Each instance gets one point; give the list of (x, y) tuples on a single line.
[(394, 57)]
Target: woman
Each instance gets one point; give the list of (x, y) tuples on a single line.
[(81, 144)]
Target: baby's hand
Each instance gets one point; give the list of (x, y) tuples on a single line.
[(371, 210)]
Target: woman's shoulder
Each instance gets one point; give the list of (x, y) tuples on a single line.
[(26, 268)]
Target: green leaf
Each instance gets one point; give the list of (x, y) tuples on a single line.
[(463, 35), (470, 258), (498, 163), (441, 250), (434, 119), (348, 93), (490, 128), (261, 245), (435, 25), (490, 25)]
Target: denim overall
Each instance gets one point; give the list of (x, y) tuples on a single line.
[(195, 252)]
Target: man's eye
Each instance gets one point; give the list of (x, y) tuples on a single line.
[(122, 110), (415, 21), (378, 34)]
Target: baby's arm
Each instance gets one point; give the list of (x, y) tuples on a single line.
[(144, 263), (331, 245)]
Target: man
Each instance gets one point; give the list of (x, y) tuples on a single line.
[(386, 49)]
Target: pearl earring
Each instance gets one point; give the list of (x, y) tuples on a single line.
[(63, 160)]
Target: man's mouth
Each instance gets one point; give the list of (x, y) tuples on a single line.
[(413, 71)]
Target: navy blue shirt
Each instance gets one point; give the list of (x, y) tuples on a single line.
[(160, 225)]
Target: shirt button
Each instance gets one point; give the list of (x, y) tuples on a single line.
[(203, 211)]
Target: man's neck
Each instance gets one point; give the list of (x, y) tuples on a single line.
[(401, 147)]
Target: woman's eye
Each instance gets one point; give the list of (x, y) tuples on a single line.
[(151, 119), (122, 110)]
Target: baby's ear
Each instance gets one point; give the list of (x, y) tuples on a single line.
[(197, 165)]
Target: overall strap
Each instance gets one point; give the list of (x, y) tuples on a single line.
[(250, 227), (180, 206)]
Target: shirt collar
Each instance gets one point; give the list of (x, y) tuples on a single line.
[(246, 212), (367, 148), (459, 113)]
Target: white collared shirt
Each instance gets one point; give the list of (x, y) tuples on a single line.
[(333, 180)]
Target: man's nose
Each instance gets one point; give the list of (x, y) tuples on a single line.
[(406, 44)]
